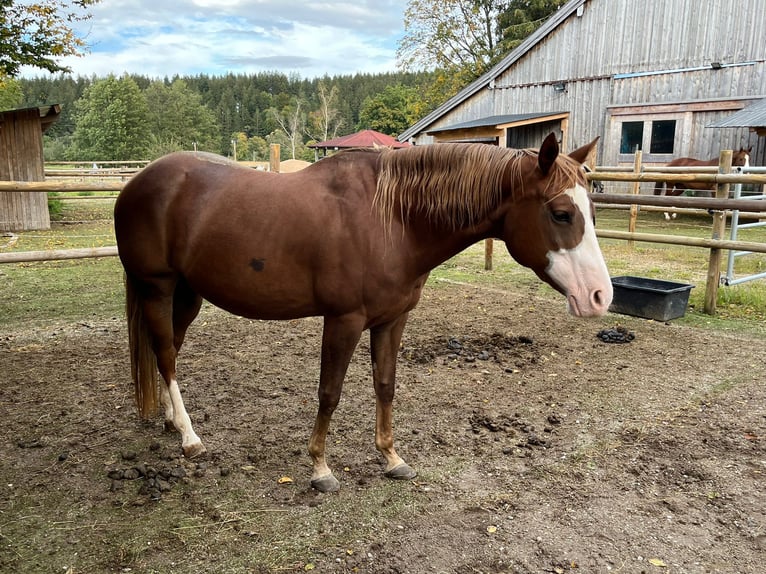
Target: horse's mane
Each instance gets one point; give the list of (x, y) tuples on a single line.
[(458, 184)]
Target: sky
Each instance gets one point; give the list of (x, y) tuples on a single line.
[(162, 38)]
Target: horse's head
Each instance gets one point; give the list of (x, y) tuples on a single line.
[(741, 158), (550, 229)]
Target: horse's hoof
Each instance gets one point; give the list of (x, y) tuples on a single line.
[(194, 450), (170, 427), (401, 471), (326, 483)]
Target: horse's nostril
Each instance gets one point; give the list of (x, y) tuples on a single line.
[(598, 298)]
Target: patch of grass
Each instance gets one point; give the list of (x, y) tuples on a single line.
[(46, 292)]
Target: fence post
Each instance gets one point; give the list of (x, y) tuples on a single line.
[(488, 248), (719, 228), (636, 190), (274, 151)]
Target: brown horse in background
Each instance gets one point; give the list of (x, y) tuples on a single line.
[(740, 158), (352, 238)]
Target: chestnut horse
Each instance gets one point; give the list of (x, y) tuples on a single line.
[(740, 158), (351, 238)]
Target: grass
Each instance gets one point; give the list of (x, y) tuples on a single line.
[(73, 290), (79, 290)]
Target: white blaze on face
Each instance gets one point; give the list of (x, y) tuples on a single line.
[(581, 271)]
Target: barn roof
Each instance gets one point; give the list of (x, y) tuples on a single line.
[(362, 139), (496, 121), (753, 116), (488, 79), (49, 113)]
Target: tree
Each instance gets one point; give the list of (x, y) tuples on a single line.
[(460, 36), (258, 148), (11, 95), (291, 122), (325, 122), (463, 39), (391, 111), (278, 137), (36, 33), (522, 17), (178, 120), (111, 121)]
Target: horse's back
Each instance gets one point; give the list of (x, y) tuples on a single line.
[(691, 162), (255, 243)]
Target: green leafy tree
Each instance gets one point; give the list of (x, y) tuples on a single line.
[(522, 17), (241, 145), (11, 95), (243, 103), (391, 111), (60, 89), (460, 36), (111, 121), (37, 32), (258, 148), (178, 120), (461, 40)]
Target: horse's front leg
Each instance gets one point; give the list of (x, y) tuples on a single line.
[(339, 339), (384, 349)]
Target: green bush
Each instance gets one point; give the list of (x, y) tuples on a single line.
[(55, 205)]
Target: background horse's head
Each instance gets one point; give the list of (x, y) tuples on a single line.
[(741, 158), (550, 228)]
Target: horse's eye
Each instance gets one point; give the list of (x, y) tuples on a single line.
[(561, 217)]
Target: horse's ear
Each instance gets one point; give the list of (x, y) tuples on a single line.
[(580, 155), (548, 153)]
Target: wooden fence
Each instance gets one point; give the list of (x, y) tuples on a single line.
[(720, 204)]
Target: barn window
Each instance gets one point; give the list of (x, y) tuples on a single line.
[(663, 135), (632, 136)]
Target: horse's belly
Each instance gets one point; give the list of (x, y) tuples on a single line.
[(288, 299)]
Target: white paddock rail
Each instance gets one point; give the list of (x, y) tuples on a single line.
[(729, 278)]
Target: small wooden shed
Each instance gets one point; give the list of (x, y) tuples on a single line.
[(21, 159)]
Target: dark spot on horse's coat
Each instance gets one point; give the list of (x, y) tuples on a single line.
[(258, 264)]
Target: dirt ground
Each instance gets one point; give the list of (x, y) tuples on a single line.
[(539, 448)]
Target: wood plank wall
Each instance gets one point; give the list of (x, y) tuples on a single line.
[(21, 159)]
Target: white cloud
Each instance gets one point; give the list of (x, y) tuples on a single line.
[(215, 37)]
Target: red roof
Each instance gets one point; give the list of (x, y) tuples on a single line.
[(365, 138)]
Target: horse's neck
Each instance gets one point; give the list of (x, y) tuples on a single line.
[(429, 245)]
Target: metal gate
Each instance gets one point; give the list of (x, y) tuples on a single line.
[(729, 278)]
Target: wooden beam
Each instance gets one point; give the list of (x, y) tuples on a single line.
[(58, 254), (719, 228)]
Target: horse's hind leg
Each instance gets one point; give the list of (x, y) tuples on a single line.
[(186, 306), (163, 316)]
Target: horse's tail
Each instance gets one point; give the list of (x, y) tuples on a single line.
[(143, 361), (658, 187)]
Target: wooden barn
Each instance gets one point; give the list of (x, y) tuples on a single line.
[(21, 159), (652, 74)]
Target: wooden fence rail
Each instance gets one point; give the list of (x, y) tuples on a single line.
[(57, 254), (60, 186)]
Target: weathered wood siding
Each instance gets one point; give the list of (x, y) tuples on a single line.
[(628, 53), (21, 159)]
